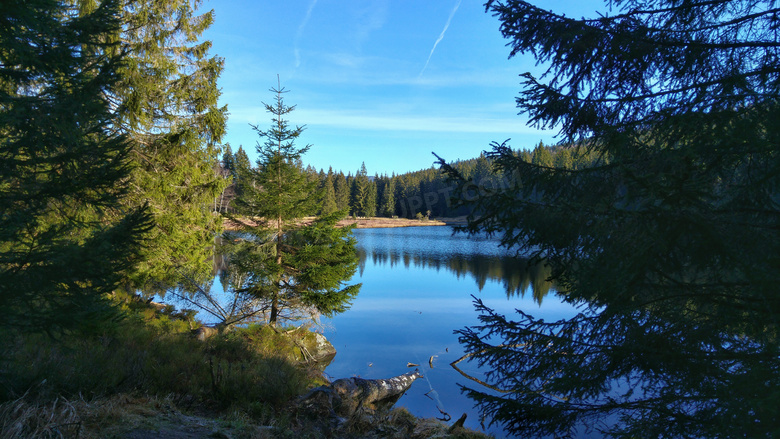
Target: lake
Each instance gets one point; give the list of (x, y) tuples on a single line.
[(418, 284), (417, 289)]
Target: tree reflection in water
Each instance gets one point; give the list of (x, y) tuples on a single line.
[(517, 275)]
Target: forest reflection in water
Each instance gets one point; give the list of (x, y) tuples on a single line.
[(517, 275), (425, 248), (419, 286)]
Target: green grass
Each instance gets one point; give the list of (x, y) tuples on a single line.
[(153, 353)]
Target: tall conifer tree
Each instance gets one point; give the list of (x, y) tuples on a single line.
[(328, 194), (294, 268), (167, 107), (342, 192), (360, 192), (64, 238), (371, 197), (387, 205), (541, 156), (242, 162), (228, 160), (243, 168)]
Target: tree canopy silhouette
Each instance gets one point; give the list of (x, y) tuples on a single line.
[(668, 244), (65, 240)]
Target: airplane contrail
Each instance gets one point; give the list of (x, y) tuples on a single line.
[(298, 34), (441, 37)]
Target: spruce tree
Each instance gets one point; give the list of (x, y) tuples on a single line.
[(387, 204), (342, 192), (242, 162), (295, 269), (371, 197), (228, 160), (65, 241), (167, 108), (329, 194), (243, 168), (359, 199), (541, 156), (667, 242)]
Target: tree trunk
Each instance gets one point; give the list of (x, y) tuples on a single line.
[(274, 311)]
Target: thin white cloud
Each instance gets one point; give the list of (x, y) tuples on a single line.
[(299, 33), (400, 120), (422, 123), (370, 18), (441, 36)]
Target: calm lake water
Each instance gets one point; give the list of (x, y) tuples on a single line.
[(418, 284)]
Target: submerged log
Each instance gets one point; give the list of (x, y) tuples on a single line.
[(349, 398)]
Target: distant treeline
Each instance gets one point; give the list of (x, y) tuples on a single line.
[(420, 194)]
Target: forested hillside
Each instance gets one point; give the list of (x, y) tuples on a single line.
[(425, 193)]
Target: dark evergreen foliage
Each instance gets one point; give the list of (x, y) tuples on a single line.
[(428, 191), (64, 240), (668, 243), (387, 204)]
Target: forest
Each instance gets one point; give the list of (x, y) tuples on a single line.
[(427, 193)]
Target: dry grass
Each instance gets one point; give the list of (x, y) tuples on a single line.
[(145, 417), (386, 223), (364, 222), (22, 419), (118, 416)]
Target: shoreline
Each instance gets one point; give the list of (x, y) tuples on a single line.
[(376, 222), (387, 223)]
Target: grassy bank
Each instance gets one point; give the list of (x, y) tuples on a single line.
[(148, 377)]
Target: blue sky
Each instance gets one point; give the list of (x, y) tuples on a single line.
[(385, 82)]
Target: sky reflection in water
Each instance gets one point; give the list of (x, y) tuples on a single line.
[(417, 288)]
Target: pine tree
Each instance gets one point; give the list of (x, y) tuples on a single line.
[(342, 189), (387, 205), (541, 156), (242, 162), (294, 269), (563, 159), (228, 161), (371, 197), (360, 193), (329, 194), (65, 241), (667, 243), (167, 107)]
